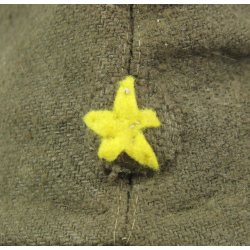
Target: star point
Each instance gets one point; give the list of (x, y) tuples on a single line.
[(121, 128)]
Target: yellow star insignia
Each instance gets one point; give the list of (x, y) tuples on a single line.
[(121, 128)]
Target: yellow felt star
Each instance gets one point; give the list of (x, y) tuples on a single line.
[(121, 128)]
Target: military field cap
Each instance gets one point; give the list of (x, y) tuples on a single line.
[(124, 125)]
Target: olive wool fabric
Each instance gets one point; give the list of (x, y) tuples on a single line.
[(191, 65)]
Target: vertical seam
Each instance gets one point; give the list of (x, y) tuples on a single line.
[(132, 36)]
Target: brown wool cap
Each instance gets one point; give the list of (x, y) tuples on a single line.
[(191, 65)]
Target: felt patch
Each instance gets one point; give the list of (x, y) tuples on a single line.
[(121, 128)]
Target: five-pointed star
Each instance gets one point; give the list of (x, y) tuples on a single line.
[(121, 128)]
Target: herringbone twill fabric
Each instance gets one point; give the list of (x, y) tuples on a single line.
[(191, 65)]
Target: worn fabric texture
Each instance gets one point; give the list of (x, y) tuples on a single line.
[(191, 65)]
